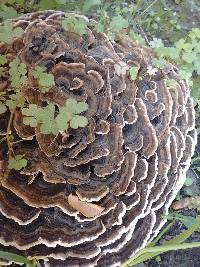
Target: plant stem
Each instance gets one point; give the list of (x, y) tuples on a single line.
[(10, 150)]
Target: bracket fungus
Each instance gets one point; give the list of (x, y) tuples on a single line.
[(92, 196)]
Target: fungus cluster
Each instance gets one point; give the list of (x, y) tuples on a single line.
[(93, 196)]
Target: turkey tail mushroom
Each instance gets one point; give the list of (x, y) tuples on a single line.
[(93, 196)]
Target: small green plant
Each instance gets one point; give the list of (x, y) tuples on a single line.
[(187, 220), (8, 32), (45, 80), (50, 122), (72, 24), (17, 259), (153, 250), (133, 72), (50, 119), (17, 163), (17, 73)]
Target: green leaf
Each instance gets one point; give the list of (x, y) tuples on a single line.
[(17, 73), (48, 4), (8, 33), (174, 244), (78, 121), (194, 33), (89, 4), (188, 221), (156, 43), (7, 12), (72, 24), (189, 192), (119, 23), (14, 258), (15, 100), (180, 45), (184, 74), (3, 108), (99, 27), (159, 63), (3, 59), (189, 181), (30, 121), (50, 122), (32, 110), (17, 163), (49, 127), (133, 72), (74, 107), (62, 121), (189, 57), (137, 38), (171, 83), (45, 80)]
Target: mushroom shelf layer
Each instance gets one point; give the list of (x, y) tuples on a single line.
[(93, 196)]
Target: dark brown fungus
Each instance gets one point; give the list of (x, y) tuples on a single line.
[(93, 196)]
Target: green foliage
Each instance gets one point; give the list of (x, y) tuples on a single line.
[(188, 221), (7, 12), (152, 250), (72, 24), (17, 259), (156, 43), (89, 4), (18, 162), (15, 100), (78, 121), (8, 33), (3, 108), (189, 181), (159, 63), (171, 83), (133, 72), (51, 122), (45, 80), (119, 23), (17, 73), (3, 59)]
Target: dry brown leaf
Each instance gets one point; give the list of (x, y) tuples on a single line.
[(89, 210), (187, 202)]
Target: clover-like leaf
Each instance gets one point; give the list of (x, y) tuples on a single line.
[(156, 43), (3, 59), (45, 80), (62, 120), (78, 121), (119, 23), (17, 163), (8, 32), (88, 4), (30, 121), (32, 110), (15, 100), (7, 12), (133, 72), (17, 73), (159, 63), (72, 24), (3, 108)]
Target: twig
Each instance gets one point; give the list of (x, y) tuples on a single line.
[(148, 7), (142, 32), (8, 131)]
